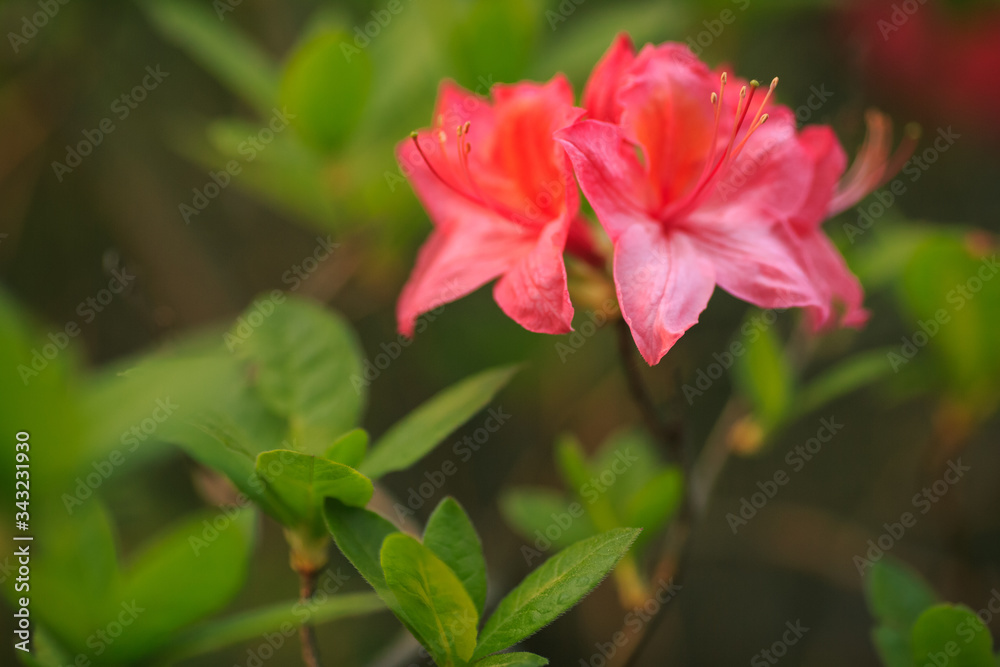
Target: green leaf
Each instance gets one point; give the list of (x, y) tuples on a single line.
[(359, 534), (302, 482), (512, 660), (533, 512), (424, 428), (229, 441), (572, 464), (248, 625), (654, 504), (307, 363), (640, 456), (188, 573), (325, 90), (896, 594), (953, 635), (435, 601), (220, 48), (893, 646), (132, 405), (452, 537), (956, 323), (557, 585), (764, 376), (349, 448), (580, 477)]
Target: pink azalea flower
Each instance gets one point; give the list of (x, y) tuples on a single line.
[(501, 194), (699, 183)]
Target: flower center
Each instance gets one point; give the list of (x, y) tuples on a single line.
[(462, 183), (716, 166)]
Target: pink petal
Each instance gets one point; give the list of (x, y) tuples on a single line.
[(667, 110), (757, 263), (534, 292), (609, 173), (834, 282), (829, 161), (600, 93), (767, 182), (663, 285), (459, 258)]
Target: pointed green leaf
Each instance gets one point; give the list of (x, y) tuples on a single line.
[(349, 448), (434, 600), (324, 91), (452, 537), (512, 660), (424, 428), (572, 464), (897, 594), (302, 482), (557, 585), (306, 363), (953, 635), (580, 476), (533, 511), (359, 534)]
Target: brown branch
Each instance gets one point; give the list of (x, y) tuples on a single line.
[(668, 434), (307, 636)]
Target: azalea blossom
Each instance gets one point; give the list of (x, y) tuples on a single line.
[(501, 195), (700, 179)]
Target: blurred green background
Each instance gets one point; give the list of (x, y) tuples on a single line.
[(142, 204)]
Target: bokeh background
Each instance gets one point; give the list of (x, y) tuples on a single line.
[(141, 203)]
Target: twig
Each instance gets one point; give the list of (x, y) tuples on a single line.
[(310, 649), (668, 434), (701, 479)]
